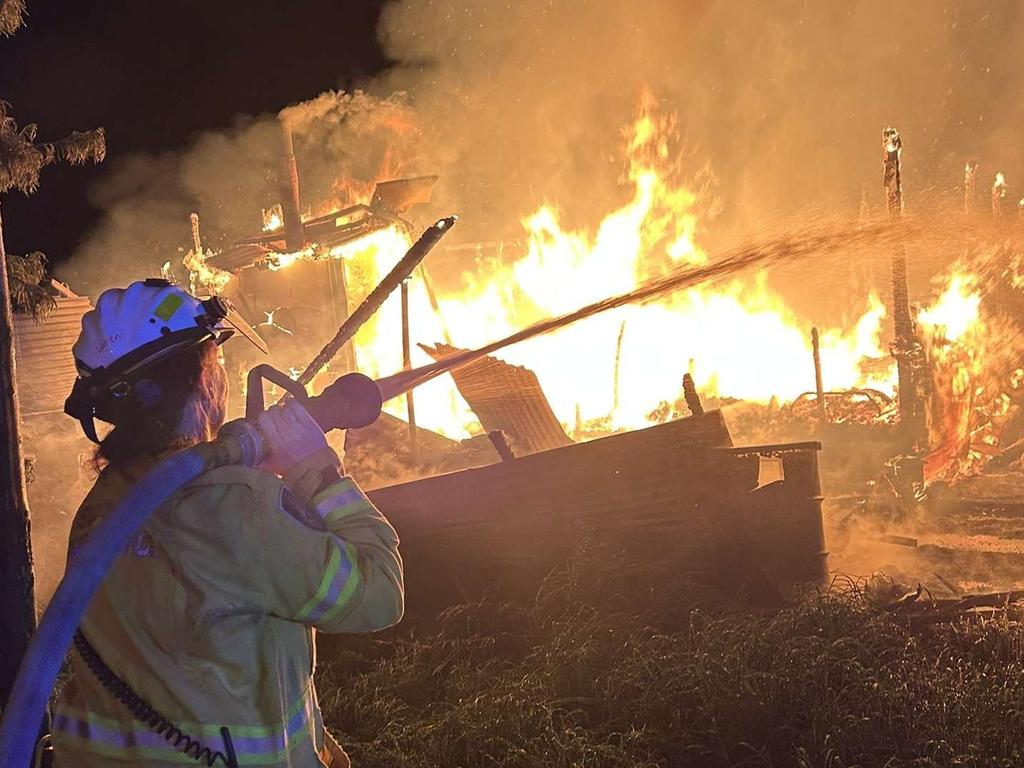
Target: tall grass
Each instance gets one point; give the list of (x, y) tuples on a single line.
[(619, 665)]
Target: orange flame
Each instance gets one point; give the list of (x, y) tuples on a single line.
[(745, 341)]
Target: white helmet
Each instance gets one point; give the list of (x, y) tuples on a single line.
[(131, 329)]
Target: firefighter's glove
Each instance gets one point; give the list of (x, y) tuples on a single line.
[(297, 449)]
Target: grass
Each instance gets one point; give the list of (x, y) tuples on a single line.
[(623, 667)]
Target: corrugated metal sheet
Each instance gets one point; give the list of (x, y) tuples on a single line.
[(45, 369), (508, 398), (674, 494)]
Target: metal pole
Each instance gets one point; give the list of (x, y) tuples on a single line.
[(410, 406), (818, 387)]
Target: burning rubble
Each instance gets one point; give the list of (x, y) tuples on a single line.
[(777, 372), (740, 341)]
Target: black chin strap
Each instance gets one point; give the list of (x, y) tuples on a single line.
[(89, 427), (79, 406)]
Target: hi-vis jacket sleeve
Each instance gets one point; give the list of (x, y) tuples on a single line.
[(331, 563)]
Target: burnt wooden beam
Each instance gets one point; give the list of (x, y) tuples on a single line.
[(291, 211)]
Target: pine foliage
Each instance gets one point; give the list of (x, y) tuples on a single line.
[(12, 14), (22, 159), (25, 275)]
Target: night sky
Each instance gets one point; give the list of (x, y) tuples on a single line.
[(153, 74)]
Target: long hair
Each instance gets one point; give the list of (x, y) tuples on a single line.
[(176, 404)]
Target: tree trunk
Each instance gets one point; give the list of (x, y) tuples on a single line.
[(17, 595)]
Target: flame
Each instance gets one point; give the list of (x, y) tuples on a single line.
[(204, 278), (623, 369), (967, 388), (956, 311), (278, 261), (743, 338), (273, 218)]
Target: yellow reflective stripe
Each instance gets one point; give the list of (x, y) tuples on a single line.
[(112, 738), (342, 499), (200, 729), (167, 755), (325, 583), (341, 585), (171, 755), (354, 580), (340, 513)]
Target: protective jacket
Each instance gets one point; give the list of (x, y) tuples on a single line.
[(209, 617)]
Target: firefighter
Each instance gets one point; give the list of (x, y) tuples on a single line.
[(199, 646)]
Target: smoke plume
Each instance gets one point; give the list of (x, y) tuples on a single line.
[(516, 104)]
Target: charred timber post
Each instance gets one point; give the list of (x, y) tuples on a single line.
[(291, 212), (999, 190), (197, 241), (17, 584), (197, 249), (970, 187), (819, 388), (691, 396), (501, 446), (410, 406), (372, 303), (618, 367), (906, 348)]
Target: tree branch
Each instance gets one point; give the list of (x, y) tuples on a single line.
[(21, 160)]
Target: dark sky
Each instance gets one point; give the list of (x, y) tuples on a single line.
[(153, 74)]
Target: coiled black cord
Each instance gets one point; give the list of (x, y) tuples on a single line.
[(138, 706)]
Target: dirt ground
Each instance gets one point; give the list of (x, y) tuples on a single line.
[(966, 538)]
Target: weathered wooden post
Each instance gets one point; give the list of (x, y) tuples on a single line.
[(970, 187), (20, 166), (690, 395), (617, 369), (999, 190), (819, 388), (17, 585), (906, 348), (291, 212)]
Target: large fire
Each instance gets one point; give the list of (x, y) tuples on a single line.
[(618, 370), (739, 340), (971, 373)]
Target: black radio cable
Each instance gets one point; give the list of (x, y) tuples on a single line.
[(138, 706)]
